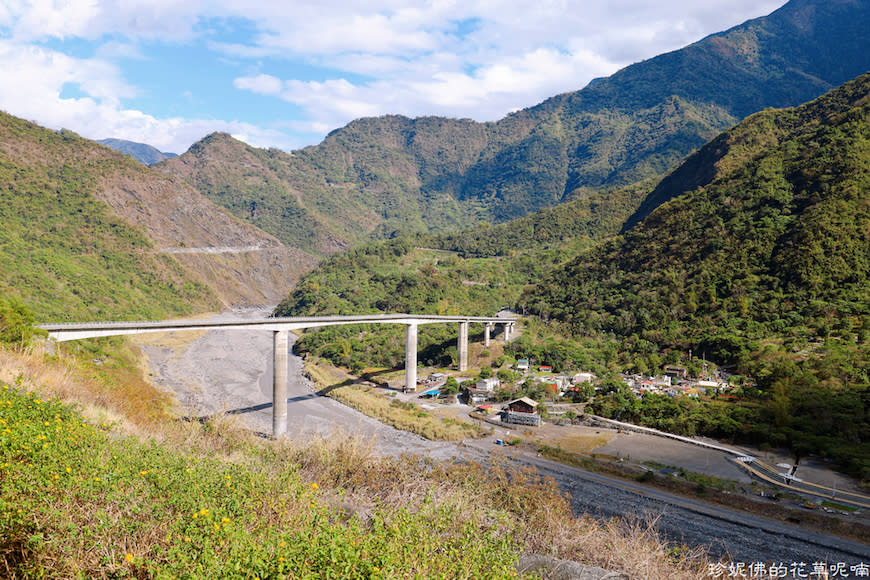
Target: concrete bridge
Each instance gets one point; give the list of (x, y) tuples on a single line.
[(280, 328)]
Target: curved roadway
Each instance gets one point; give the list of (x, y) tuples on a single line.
[(730, 534)]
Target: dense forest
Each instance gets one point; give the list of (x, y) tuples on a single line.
[(765, 268)]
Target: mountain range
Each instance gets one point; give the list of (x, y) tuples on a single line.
[(600, 149), (377, 177), (141, 152), (639, 213)]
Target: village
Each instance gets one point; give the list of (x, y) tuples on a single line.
[(555, 395)]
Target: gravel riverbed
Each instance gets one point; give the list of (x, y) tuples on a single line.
[(231, 372)]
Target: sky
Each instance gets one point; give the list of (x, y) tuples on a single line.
[(283, 73)]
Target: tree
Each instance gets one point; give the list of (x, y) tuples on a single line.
[(16, 323), (451, 387)]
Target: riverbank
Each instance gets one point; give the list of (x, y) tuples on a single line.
[(232, 374)]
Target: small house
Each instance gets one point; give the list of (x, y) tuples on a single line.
[(488, 385), (523, 411), (523, 364), (482, 390), (582, 378)]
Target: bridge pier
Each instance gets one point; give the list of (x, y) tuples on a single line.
[(280, 344), (462, 346), (411, 358), (508, 328), (487, 333)]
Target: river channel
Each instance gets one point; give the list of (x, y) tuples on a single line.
[(231, 372)]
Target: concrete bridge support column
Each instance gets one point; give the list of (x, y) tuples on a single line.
[(411, 358), (462, 346), (487, 333), (507, 331), (281, 343)]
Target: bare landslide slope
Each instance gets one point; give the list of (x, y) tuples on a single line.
[(240, 263)]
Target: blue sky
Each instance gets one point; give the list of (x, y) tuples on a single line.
[(283, 74)]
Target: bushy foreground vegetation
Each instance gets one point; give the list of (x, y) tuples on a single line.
[(84, 496), (154, 511)]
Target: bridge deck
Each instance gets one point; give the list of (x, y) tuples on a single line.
[(79, 330)]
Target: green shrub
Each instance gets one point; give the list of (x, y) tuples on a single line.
[(16, 323)]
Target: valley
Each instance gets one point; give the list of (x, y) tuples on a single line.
[(685, 244), (229, 373)]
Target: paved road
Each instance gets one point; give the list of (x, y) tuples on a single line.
[(230, 371), (730, 534)]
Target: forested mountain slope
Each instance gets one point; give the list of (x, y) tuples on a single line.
[(766, 267), (88, 233), (377, 176), (778, 243)]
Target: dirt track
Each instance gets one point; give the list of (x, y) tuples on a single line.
[(231, 372)]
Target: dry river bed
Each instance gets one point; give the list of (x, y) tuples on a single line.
[(230, 372)]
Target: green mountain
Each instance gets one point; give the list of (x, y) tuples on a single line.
[(776, 242), (763, 263), (379, 176), (89, 233), (141, 152)]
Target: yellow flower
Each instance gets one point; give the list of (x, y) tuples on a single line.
[(203, 512), (314, 486), (129, 557), (225, 520)]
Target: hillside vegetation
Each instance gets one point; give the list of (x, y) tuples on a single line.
[(91, 234), (765, 267), (67, 254), (762, 266), (377, 177), (97, 489)]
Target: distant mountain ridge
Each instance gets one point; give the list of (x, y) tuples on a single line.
[(143, 153), (379, 176)]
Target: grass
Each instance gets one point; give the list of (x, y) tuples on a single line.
[(405, 416), (84, 496), (838, 506)]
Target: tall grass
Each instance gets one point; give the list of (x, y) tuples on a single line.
[(104, 495)]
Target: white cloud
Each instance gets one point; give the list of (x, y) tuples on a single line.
[(460, 58), (261, 84), (34, 79), (52, 18)]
